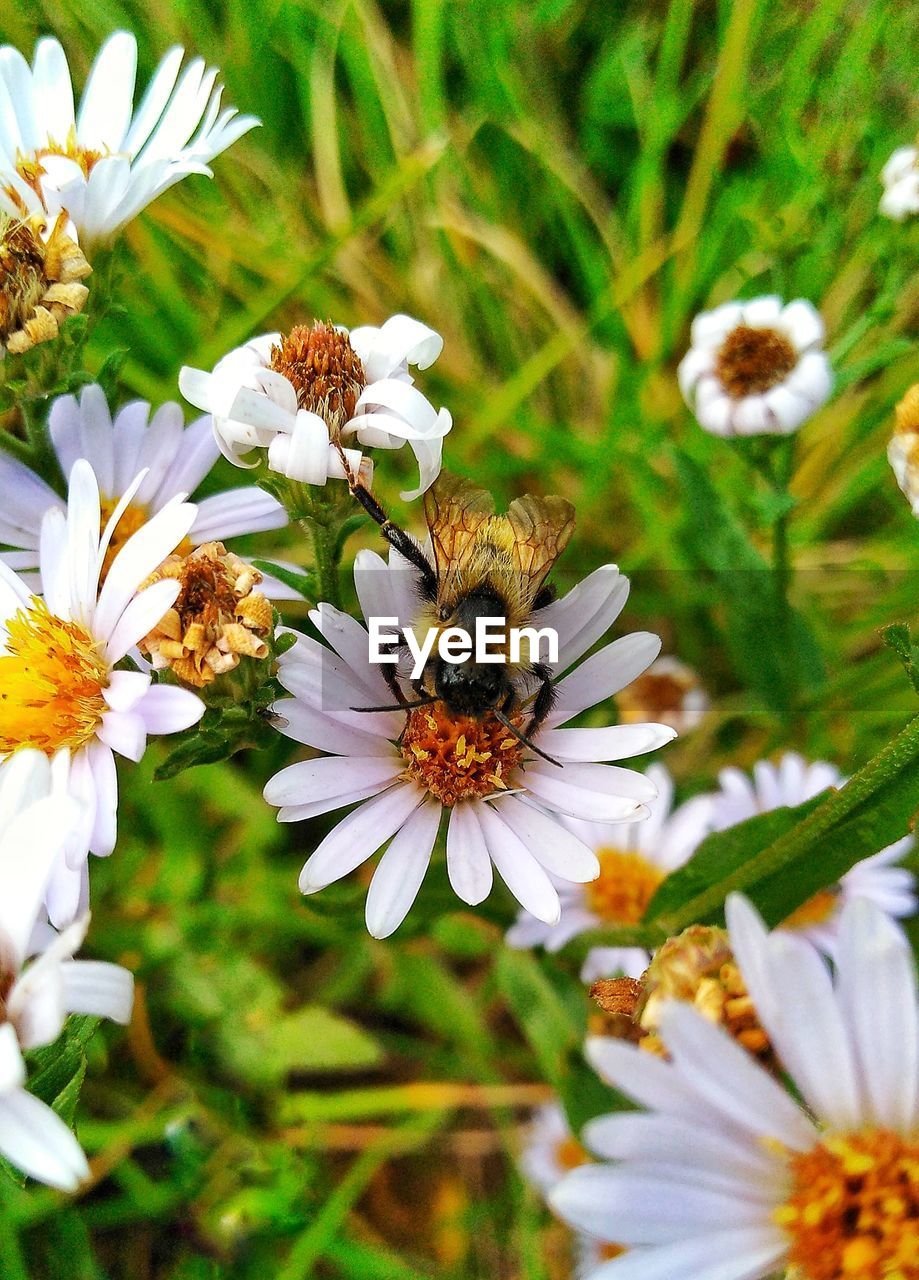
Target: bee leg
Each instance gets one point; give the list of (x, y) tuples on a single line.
[(544, 698), (397, 537)]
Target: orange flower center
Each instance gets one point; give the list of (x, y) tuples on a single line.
[(458, 757), (134, 517), (569, 1154), (853, 1210), (626, 884), (52, 678), (30, 167), (750, 361), (817, 910), (324, 370)]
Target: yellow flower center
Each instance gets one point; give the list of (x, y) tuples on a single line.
[(853, 1210), (324, 370), (626, 884), (750, 361), (569, 1154), (817, 910), (51, 682), (30, 167), (458, 757)]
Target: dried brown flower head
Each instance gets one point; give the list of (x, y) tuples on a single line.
[(40, 276), (324, 370)]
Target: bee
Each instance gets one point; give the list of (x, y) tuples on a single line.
[(484, 566)]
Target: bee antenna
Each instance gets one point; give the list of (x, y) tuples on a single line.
[(521, 737), (398, 706)]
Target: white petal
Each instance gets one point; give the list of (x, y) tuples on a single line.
[(402, 868), (604, 674), (38, 1142), (358, 836), (560, 852), (329, 776), (468, 863), (518, 868), (164, 709), (99, 989), (615, 742)]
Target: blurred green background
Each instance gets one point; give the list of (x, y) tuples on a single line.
[(557, 187)]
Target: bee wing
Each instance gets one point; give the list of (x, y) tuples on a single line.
[(455, 511), (542, 528)]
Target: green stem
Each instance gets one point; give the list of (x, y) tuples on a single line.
[(326, 554)]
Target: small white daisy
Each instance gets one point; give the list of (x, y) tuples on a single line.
[(789, 783), (105, 162), (294, 394), (900, 177), (550, 1149), (756, 367), (727, 1176), (174, 457), (404, 769), (58, 655), (36, 996), (903, 450), (669, 692), (634, 860)]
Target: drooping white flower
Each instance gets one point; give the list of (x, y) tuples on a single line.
[(105, 162), (404, 769), (58, 655), (634, 859), (174, 457), (900, 178), (756, 368), (293, 394), (789, 783), (36, 995), (550, 1149), (726, 1174)]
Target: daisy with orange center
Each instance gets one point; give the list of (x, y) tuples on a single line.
[(175, 459), (791, 782), (756, 367), (304, 395), (730, 1173), (634, 859), (410, 772), (61, 691)]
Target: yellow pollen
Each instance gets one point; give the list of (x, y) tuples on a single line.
[(569, 1154), (626, 884), (853, 1210), (324, 370), (458, 757), (751, 361), (30, 167), (817, 910), (52, 678)]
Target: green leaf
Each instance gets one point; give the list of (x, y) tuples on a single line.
[(551, 1031), (722, 853), (56, 1071), (305, 583), (899, 638), (266, 1047)]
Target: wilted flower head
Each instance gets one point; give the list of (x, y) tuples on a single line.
[(218, 616), (304, 395), (756, 368), (900, 177), (106, 161), (41, 267), (903, 450)]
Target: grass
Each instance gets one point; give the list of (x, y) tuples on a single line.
[(557, 187)]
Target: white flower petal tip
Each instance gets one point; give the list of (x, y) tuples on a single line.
[(109, 160), (259, 400), (756, 367), (900, 179), (508, 810)]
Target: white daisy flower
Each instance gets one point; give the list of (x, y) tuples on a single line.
[(903, 450), (669, 692), (105, 162), (756, 367), (403, 769), (900, 178), (175, 459), (634, 858), (727, 1176), (550, 1149), (58, 657), (36, 996), (294, 394), (792, 781)]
